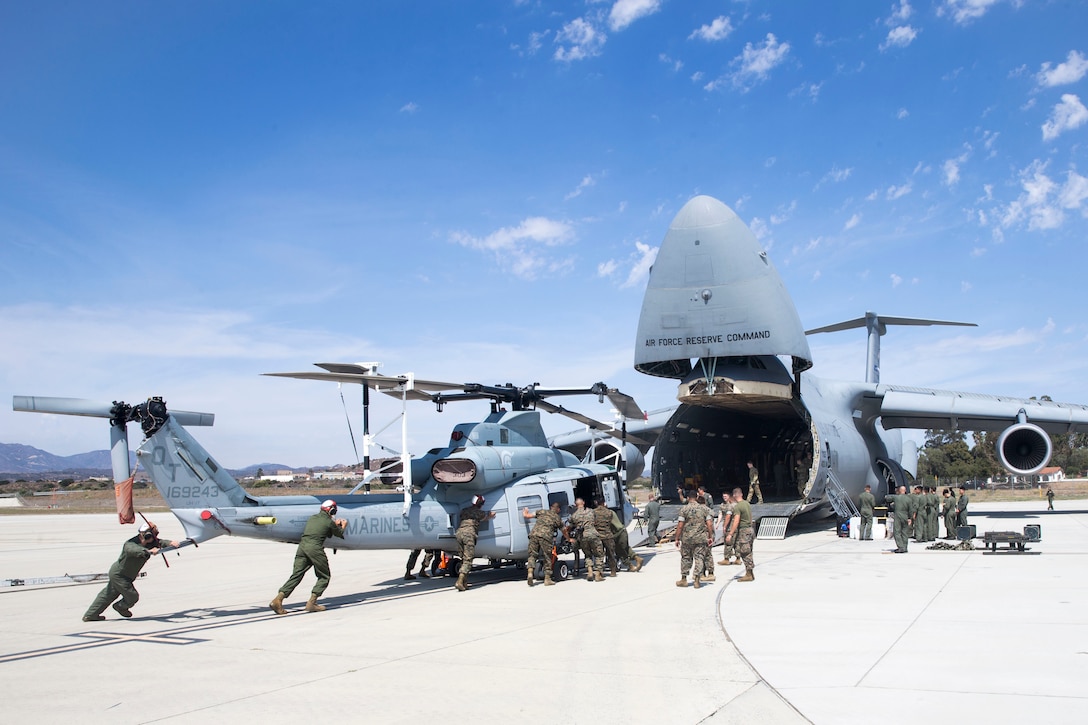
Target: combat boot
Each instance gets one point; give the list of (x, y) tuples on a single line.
[(530, 579), (589, 572), (638, 562), (697, 581), (682, 582), (93, 618), (724, 562), (461, 586), (423, 573), (313, 606), (409, 576), (598, 578), (122, 610), (548, 580), (749, 575), (709, 578), (277, 604), (615, 570)]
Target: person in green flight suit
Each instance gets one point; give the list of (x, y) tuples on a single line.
[(652, 512), (949, 514), (866, 504), (1049, 498), (903, 510), (542, 540), (311, 553), (961, 508), (624, 553), (134, 554)]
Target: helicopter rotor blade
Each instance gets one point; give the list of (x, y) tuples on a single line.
[(94, 409)]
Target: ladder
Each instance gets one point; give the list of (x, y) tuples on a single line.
[(838, 498)]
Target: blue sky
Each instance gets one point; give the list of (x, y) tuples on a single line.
[(193, 193)]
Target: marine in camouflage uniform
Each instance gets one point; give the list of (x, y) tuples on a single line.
[(134, 554), (588, 539), (740, 532), (467, 532), (708, 560), (693, 536), (311, 553), (755, 495), (602, 521), (542, 541), (725, 513)]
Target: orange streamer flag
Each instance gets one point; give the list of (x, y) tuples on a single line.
[(123, 492)]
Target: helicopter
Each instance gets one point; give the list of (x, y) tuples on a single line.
[(506, 459)]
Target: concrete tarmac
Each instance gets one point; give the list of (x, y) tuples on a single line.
[(832, 631)]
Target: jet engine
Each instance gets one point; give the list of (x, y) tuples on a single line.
[(1024, 448), (607, 451)]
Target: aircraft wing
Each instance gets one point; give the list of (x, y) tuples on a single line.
[(922, 408)]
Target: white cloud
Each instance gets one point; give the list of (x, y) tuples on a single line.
[(676, 64), (1066, 116), (625, 12), (784, 213), (965, 11), (899, 37), (1074, 193), (1043, 202), (896, 192), (896, 280), (521, 249), (409, 107), (900, 13), (901, 114), (586, 182), (852, 222), (718, 29), (1071, 71), (638, 265), (757, 61), (951, 168), (578, 40), (837, 175)]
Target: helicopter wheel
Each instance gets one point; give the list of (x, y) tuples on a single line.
[(560, 571), (538, 569), (453, 566)]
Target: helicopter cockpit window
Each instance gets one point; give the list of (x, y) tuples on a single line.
[(561, 497), (533, 503), (504, 436)]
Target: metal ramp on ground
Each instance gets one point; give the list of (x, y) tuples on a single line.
[(772, 527)]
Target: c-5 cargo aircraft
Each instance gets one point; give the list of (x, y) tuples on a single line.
[(717, 318), (506, 459)]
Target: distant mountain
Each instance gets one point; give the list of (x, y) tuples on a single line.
[(16, 458)]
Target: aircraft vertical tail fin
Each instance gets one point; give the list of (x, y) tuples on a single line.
[(876, 326), (192, 483)]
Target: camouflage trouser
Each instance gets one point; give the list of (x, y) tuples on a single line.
[(540, 548), (693, 555), (708, 561), (609, 545), (594, 551), (729, 551), (466, 544), (744, 547)]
